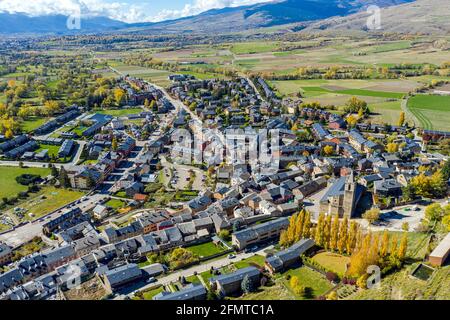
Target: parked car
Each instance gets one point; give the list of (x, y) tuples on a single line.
[(151, 280)]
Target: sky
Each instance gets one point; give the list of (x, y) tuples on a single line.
[(123, 10)]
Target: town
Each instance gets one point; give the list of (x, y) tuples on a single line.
[(150, 225)]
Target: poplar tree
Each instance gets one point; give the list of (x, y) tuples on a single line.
[(319, 232), (401, 251), (351, 243), (384, 250), (343, 236), (327, 232), (334, 233), (307, 225)]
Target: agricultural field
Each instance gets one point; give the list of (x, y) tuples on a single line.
[(431, 111), (159, 77), (8, 185)]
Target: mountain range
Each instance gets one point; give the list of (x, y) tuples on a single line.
[(310, 15)]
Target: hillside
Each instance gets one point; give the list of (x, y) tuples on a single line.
[(55, 24), (264, 15), (422, 16)]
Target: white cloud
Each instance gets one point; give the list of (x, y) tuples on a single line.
[(115, 10), (200, 6)]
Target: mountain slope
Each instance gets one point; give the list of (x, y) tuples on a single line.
[(55, 24), (422, 16), (265, 15)]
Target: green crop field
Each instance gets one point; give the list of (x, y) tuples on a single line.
[(369, 93), (254, 47), (431, 111), (8, 185)]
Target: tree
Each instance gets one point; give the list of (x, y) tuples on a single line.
[(392, 147), (334, 237), (328, 150), (119, 96), (372, 215), (319, 232), (327, 232), (307, 225), (401, 252), (384, 250), (446, 222), (9, 134), (54, 171), (434, 212), (64, 178), (351, 121), (343, 236), (352, 237), (332, 296), (246, 285), (114, 144), (224, 235), (401, 120)]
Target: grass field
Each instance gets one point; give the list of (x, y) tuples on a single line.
[(309, 278), (205, 249), (52, 150), (115, 203), (256, 259), (254, 47), (401, 286), (332, 261), (32, 123), (8, 185), (48, 200), (120, 112), (149, 293), (385, 112), (431, 110)]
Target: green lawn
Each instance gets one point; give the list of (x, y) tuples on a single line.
[(52, 149), (205, 249), (120, 112), (32, 123), (332, 261), (149, 294), (193, 279), (115, 203), (8, 185), (311, 279), (256, 259)]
